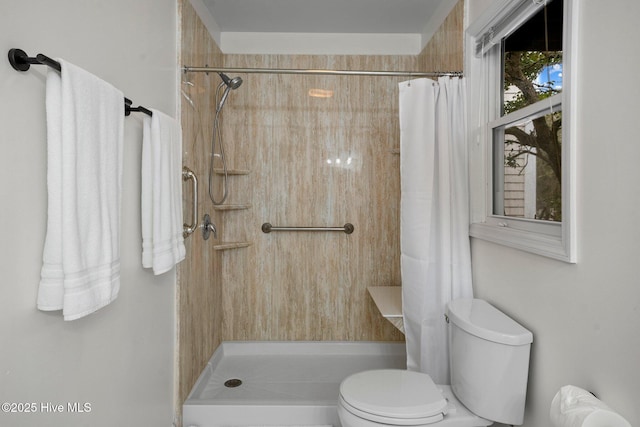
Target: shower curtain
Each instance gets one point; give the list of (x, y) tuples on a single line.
[(435, 253)]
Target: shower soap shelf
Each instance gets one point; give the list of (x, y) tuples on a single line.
[(219, 171), (235, 207), (388, 299), (231, 245), (231, 207)]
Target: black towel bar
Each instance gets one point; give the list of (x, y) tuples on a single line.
[(20, 61)]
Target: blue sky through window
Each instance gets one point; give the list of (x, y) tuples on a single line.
[(550, 77)]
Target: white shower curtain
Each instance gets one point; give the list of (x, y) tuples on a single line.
[(435, 254)]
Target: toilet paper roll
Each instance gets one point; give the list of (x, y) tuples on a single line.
[(575, 407)]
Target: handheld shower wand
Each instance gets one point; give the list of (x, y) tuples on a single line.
[(231, 84)]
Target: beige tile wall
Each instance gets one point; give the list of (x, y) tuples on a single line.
[(301, 285), (295, 286), (444, 52), (199, 279)]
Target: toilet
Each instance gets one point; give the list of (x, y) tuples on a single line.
[(489, 364)]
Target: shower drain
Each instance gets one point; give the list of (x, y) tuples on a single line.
[(233, 382)]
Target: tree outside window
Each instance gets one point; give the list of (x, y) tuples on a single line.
[(532, 72)]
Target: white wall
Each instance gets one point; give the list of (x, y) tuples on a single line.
[(120, 359), (586, 317)]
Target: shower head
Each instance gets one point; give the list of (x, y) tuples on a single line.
[(233, 83)]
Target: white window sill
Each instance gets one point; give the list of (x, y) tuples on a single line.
[(536, 243)]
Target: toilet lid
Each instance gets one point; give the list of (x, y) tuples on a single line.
[(394, 393)]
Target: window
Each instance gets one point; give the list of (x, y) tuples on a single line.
[(523, 65)]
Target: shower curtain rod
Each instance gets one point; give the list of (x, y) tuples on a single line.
[(190, 69)]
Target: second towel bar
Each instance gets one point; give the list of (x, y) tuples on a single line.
[(268, 228)]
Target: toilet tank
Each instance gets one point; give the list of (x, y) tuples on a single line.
[(489, 360)]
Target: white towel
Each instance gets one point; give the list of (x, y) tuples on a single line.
[(85, 131), (161, 193)]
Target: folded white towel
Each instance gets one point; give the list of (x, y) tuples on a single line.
[(161, 193), (85, 132)]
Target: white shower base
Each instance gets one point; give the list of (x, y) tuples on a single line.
[(283, 383)]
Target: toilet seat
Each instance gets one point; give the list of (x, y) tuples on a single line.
[(390, 420), (393, 396)]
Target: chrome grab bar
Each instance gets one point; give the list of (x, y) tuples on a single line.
[(187, 174), (268, 228)]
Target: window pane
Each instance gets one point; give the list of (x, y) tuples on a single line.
[(528, 169), (532, 59)]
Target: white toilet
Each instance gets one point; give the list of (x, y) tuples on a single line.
[(489, 364)]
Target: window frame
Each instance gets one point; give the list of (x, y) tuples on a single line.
[(555, 240), (530, 112)]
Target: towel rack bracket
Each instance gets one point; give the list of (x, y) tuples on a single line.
[(19, 59)]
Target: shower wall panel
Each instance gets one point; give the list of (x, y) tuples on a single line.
[(445, 51), (314, 161), (199, 276)]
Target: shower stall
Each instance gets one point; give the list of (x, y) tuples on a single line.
[(300, 150)]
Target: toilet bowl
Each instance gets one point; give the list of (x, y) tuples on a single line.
[(489, 359)]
